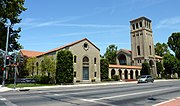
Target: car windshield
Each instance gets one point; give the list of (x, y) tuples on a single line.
[(143, 76)]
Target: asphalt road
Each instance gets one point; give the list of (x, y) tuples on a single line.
[(146, 94)]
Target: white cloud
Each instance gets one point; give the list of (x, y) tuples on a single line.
[(171, 23), (36, 23), (87, 33)]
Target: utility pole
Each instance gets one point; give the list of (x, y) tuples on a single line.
[(6, 52)]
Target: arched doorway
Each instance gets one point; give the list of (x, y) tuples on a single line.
[(136, 74), (120, 74), (126, 74), (85, 68), (122, 59), (112, 73), (131, 74)]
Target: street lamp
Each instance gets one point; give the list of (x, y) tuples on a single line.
[(6, 52)]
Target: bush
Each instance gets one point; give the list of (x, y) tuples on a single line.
[(116, 77), (93, 80), (107, 80), (77, 81)]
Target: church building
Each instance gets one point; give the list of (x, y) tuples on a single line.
[(129, 62), (86, 56)]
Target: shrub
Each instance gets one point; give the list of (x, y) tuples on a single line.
[(93, 80), (77, 81), (116, 77)]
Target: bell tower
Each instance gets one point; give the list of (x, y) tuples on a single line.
[(142, 45)]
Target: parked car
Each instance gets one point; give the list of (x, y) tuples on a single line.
[(146, 79)]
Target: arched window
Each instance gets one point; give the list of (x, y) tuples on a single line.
[(85, 68), (131, 74), (75, 59), (112, 73), (95, 60), (138, 49), (122, 59), (85, 61)]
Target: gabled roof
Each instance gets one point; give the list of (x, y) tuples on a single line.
[(125, 51), (71, 44), (29, 53), (124, 66)]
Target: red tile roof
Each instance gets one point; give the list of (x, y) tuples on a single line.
[(29, 53), (158, 57), (124, 66)]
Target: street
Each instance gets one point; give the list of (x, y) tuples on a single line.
[(145, 94)]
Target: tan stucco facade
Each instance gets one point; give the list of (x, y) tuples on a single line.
[(142, 44), (79, 49)]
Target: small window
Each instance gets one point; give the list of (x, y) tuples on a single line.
[(137, 34), (94, 74), (133, 26), (75, 59), (94, 60), (140, 24), (150, 50), (85, 46), (74, 74), (138, 49), (137, 25)]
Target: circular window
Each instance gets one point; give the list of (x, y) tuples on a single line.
[(86, 46)]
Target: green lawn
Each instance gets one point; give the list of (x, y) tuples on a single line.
[(27, 85)]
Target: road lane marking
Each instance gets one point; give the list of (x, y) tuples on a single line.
[(7, 102), (119, 96)]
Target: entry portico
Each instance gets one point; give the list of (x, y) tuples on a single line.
[(125, 72)]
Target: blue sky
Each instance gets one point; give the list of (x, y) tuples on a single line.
[(47, 24)]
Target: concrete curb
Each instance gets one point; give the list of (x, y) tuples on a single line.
[(4, 89)]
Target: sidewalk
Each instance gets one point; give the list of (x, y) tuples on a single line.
[(172, 102), (4, 89)]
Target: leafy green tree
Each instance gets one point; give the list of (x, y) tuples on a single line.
[(48, 65), (110, 54), (159, 67), (10, 10), (174, 44), (30, 65), (145, 69), (104, 69), (64, 67), (170, 64), (161, 49)]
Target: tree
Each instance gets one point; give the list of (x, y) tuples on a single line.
[(145, 69), (110, 54), (174, 44), (161, 49), (10, 10), (30, 65), (159, 67), (64, 67), (104, 69), (170, 64), (48, 66)]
